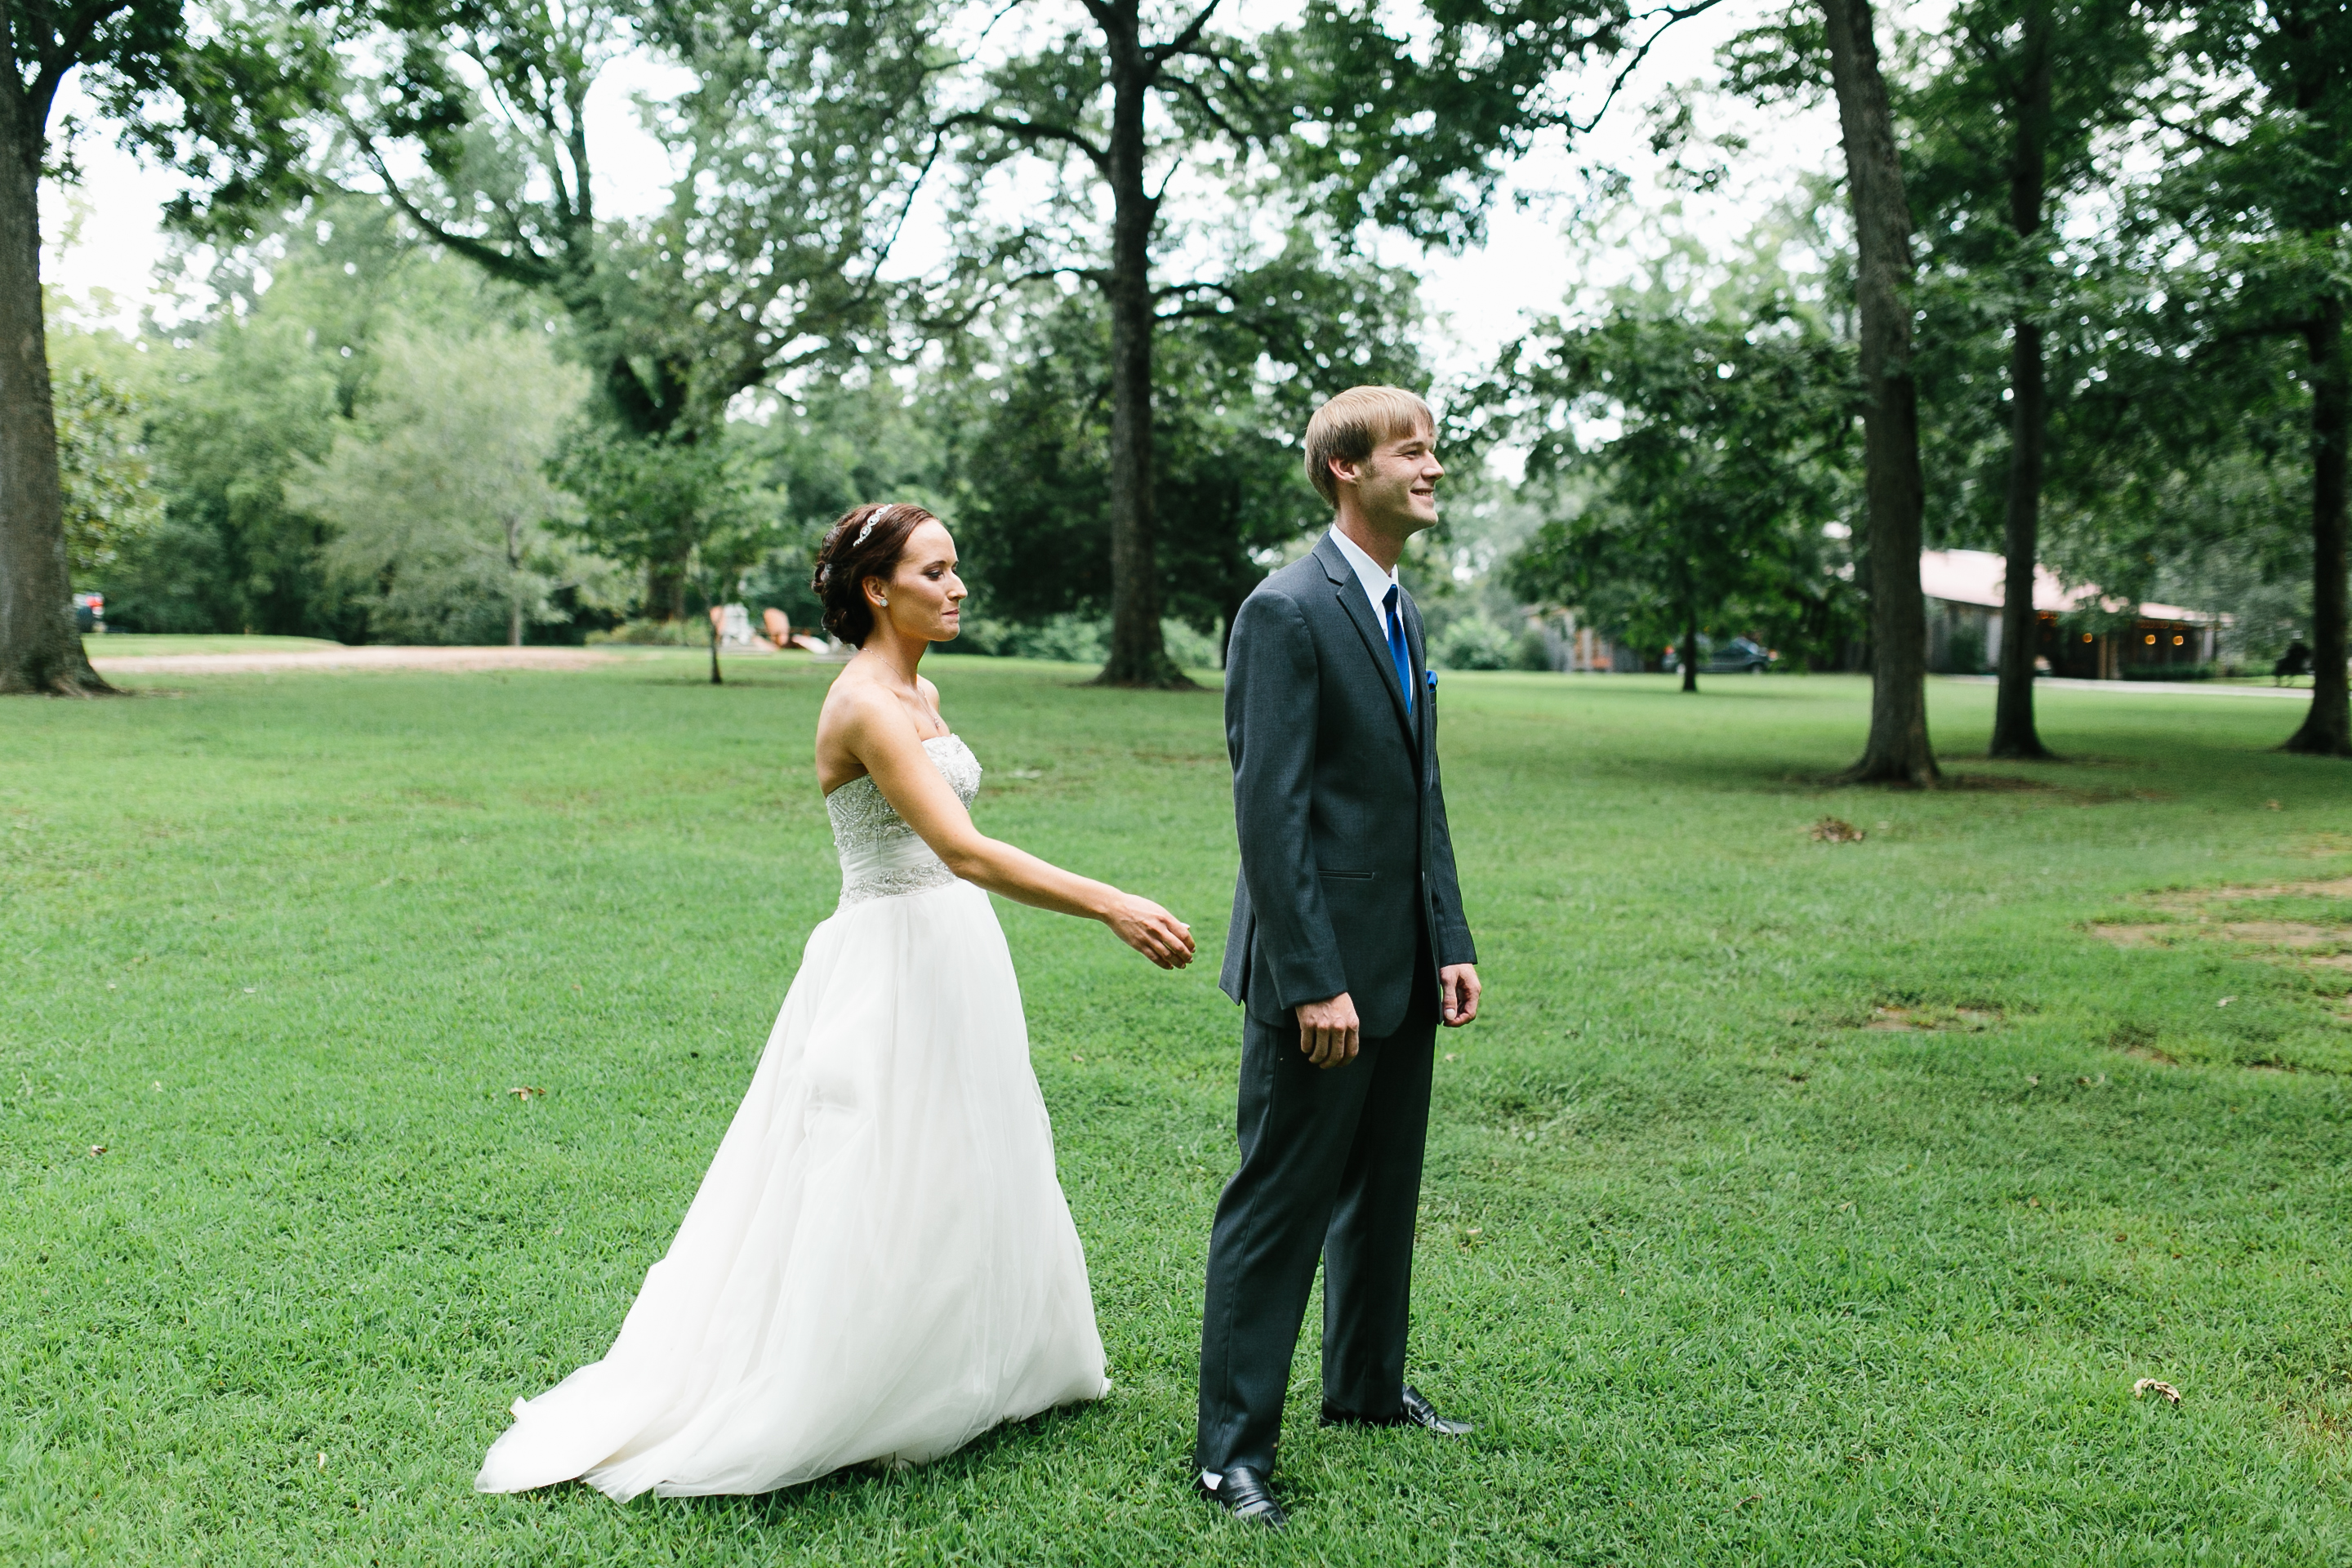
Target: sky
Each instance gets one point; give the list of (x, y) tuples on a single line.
[(107, 253)]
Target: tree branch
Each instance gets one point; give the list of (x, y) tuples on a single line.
[(1161, 54), (529, 268), (1200, 96), (1672, 14), (1029, 130), (72, 39)]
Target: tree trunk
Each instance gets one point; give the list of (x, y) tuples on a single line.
[(1138, 655), (40, 650), (2014, 733), (1690, 648), (2327, 729), (514, 584), (1897, 751), (666, 590)]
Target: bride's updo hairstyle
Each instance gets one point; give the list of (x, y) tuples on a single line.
[(866, 542)]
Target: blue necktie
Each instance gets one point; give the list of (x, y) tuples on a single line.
[(1396, 647)]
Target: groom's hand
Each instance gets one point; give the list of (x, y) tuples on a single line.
[(1328, 1031), (1457, 991)]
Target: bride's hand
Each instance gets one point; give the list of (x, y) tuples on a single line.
[(1151, 930)]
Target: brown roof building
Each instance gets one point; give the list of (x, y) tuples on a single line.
[(1966, 592)]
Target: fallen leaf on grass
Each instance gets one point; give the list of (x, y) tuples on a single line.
[(1831, 830), (2273, 805), (2150, 1385), (97, 1149), (2225, 1001), (524, 1092)]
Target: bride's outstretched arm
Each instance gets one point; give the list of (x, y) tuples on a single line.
[(885, 741)]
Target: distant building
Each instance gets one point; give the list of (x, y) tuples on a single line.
[(1965, 590)]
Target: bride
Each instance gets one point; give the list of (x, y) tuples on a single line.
[(879, 1264)]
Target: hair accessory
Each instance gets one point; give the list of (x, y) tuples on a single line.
[(866, 529)]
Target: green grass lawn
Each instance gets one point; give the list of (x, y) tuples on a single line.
[(148, 644), (1796, 1201)]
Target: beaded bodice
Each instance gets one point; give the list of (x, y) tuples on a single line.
[(881, 856)]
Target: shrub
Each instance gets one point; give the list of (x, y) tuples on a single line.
[(1473, 642)]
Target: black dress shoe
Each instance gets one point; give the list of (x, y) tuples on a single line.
[(1245, 1494), (1411, 1411)]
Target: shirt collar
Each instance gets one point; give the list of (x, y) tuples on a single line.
[(1376, 579)]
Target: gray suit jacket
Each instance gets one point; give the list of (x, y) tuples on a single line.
[(1346, 861)]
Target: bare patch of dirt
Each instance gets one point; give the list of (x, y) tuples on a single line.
[(2229, 919), (1895, 1017), (2135, 936), (1832, 830), (2285, 933), (2194, 900)]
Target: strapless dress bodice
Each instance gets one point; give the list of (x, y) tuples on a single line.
[(881, 856)]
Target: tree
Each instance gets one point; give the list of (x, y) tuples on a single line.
[(438, 494), (109, 501), (1031, 452), (1720, 479), (800, 146), (240, 402), (1351, 114), (2262, 185), (2009, 113), (219, 95), (692, 497), (1897, 751)]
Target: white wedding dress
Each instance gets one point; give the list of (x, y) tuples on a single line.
[(879, 1264)]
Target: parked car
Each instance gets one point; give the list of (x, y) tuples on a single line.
[(89, 612), (1738, 657)]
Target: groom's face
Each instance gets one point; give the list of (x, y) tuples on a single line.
[(1397, 486)]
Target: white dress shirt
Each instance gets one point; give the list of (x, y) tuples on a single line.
[(1377, 581)]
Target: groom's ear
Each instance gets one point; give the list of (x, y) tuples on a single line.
[(1344, 470)]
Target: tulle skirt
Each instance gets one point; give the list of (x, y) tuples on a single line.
[(879, 1264)]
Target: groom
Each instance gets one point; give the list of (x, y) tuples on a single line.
[(1347, 948)]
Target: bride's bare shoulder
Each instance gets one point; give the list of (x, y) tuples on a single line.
[(846, 726)]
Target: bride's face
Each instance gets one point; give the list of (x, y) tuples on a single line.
[(923, 599)]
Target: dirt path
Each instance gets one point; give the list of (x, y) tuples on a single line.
[(369, 658)]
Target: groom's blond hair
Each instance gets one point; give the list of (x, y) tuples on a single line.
[(1347, 428)]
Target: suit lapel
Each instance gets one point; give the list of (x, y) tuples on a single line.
[(1349, 588)]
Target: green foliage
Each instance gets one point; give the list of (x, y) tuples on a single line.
[(111, 500), (2020, 116), (1029, 422), (1728, 461), (1771, 1211), (234, 417), (223, 94), (836, 445), (444, 517), (1476, 642), (242, 408), (1406, 119), (799, 141), (685, 506)]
